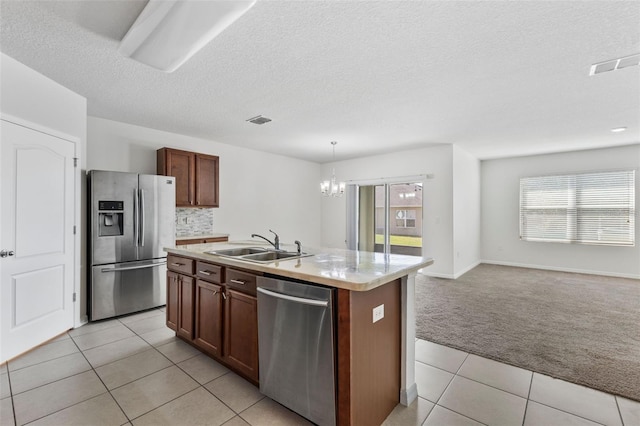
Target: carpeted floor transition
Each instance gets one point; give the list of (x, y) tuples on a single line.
[(581, 328)]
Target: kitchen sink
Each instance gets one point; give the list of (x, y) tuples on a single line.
[(270, 256), (238, 251), (258, 254)]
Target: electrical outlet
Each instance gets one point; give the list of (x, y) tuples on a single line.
[(378, 313)]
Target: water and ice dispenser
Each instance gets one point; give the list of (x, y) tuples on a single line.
[(110, 216)]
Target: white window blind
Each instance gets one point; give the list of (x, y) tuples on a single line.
[(587, 208)]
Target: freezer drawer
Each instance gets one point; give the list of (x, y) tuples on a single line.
[(123, 288), (296, 347)]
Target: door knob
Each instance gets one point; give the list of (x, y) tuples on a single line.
[(6, 253)]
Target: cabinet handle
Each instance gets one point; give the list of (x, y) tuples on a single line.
[(224, 296), (207, 273), (240, 282), (177, 264)]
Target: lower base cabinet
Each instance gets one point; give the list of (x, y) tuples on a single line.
[(173, 297), (180, 294), (209, 304), (187, 294), (241, 333), (218, 317)]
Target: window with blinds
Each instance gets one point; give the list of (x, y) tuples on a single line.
[(587, 208)]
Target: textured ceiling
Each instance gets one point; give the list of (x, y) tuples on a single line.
[(498, 78)]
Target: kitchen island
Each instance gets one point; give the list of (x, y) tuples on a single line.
[(375, 351)]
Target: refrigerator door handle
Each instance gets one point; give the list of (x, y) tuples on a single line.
[(141, 223), (136, 214), (131, 268)]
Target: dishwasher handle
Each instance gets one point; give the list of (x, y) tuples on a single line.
[(313, 302)]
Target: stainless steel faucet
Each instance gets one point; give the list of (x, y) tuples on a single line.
[(299, 244), (276, 240)]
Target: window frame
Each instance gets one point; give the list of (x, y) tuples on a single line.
[(593, 213), (405, 220)]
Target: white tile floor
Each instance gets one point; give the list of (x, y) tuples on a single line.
[(133, 370)]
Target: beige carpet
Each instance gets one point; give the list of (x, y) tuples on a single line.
[(581, 328)]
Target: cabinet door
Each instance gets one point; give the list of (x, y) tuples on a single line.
[(208, 334), (180, 164), (187, 293), (206, 180), (173, 297), (241, 333)]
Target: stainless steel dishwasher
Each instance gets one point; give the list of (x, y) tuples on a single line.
[(296, 347)]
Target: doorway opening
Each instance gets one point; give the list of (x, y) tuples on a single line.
[(386, 218)]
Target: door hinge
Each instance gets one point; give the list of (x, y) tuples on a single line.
[(75, 162), (74, 297)]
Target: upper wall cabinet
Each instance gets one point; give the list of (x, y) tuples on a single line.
[(197, 183)]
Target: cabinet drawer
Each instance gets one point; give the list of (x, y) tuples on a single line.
[(208, 272), (241, 281), (180, 264)]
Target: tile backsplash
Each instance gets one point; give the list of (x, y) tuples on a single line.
[(193, 221)]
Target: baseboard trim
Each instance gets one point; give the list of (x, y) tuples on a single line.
[(435, 274), (407, 396), (464, 271), (455, 276), (559, 269)]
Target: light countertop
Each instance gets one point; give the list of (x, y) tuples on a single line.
[(341, 268)]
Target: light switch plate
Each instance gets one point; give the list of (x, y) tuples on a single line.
[(378, 313)]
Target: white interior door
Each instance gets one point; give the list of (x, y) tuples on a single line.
[(37, 218)]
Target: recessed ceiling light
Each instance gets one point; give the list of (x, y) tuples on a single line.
[(618, 129)]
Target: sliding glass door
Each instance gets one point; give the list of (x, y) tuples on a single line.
[(386, 218)]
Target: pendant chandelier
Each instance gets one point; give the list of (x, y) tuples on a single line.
[(332, 188)]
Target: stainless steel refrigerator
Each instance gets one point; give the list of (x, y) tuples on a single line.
[(131, 220)]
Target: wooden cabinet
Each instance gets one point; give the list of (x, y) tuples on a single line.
[(241, 281), (173, 300), (241, 333), (185, 317), (180, 296), (206, 187), (181, 165), (241, 323), (197, 176), (215, 308), (209, 305)]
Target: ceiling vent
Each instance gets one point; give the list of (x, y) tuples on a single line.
[(615, 64), (258, 119)]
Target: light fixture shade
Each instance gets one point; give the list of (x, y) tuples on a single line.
[(324, 187), (168, 33), (332, 188)]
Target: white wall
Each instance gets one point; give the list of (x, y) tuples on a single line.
[(31, 96), (500, 214), (437, 195), (258, 191), (36, 101), (466, 211)]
